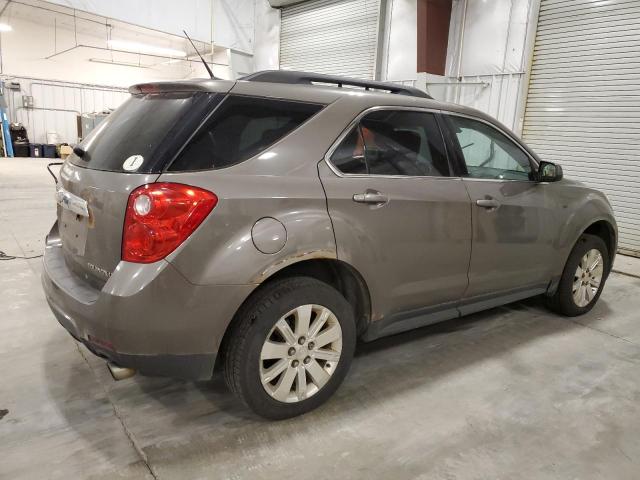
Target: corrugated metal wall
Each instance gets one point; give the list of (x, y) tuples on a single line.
[(583, 105), (57, 105), (496, 94), (337, 37)]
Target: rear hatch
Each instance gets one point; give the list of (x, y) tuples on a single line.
[(128, 149)]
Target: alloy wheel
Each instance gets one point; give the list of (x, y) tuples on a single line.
[(300, 353), (587, 278)]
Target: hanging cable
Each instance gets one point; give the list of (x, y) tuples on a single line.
[(4, 256)]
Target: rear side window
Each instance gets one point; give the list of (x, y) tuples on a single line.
[(390, 142), (241, 128), (150, 128)]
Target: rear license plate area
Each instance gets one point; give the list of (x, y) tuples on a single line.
[(73, 231)]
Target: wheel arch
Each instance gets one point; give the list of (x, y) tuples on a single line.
[(606, 231), (340, 275), (587, 212), (591, 220)]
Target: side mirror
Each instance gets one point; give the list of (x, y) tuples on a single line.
[(549, 172)]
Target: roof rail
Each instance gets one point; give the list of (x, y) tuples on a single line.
[(308, 78)]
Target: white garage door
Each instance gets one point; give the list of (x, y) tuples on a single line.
[(336, 37), (583, 106)]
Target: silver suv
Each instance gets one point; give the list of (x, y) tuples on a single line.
[(264, 225)]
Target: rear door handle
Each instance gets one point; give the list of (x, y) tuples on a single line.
[(370, 197), (488, 203)]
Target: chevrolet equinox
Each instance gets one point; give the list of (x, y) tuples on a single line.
[(263, 225)]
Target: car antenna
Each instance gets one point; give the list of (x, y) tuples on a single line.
[(213, 77)]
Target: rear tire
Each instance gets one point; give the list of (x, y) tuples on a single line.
[(583, 278), (271, 360)]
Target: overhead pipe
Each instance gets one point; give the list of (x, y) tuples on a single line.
[(50, 109), (165, 57), (62, 83), (81, 86)]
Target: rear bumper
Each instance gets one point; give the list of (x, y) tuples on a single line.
[(190, 367), (146, 317)]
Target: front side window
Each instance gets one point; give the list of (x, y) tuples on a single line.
[(393, 142), (240, 128), (488, 153)]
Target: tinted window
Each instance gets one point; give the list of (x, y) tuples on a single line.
[(241, 128), (394, 143), (154, 126), (488, 153), (349, 156)]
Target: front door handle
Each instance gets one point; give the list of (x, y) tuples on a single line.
[(370, 197), (488, 203)]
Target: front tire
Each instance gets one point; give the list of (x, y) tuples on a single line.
[(290, 348), (583, 278)]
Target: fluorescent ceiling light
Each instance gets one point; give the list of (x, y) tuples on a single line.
[(120, 64), (135, 47), (4, 27), (172, 61)]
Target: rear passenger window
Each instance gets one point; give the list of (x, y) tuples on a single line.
[(393, 142), (241, 128)]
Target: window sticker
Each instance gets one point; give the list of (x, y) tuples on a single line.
[(133, 163)]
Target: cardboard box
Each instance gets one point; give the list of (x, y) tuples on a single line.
[(65, 151)]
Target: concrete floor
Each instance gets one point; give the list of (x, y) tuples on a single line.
[(514, 392)]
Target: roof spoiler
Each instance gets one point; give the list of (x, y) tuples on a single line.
[(157, 87), (307, 78)]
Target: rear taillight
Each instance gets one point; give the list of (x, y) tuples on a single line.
[(160, 216)]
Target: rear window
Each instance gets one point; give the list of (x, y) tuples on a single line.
[(240, 128), (145, 132)]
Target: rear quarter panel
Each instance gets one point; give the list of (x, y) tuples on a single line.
[(222, 252)]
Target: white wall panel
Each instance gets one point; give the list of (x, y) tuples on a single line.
[(498, 94), (401, 58), (57, 104), (486, 37), (266, 51), (233, 24), (583, 107), (486, 57)]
